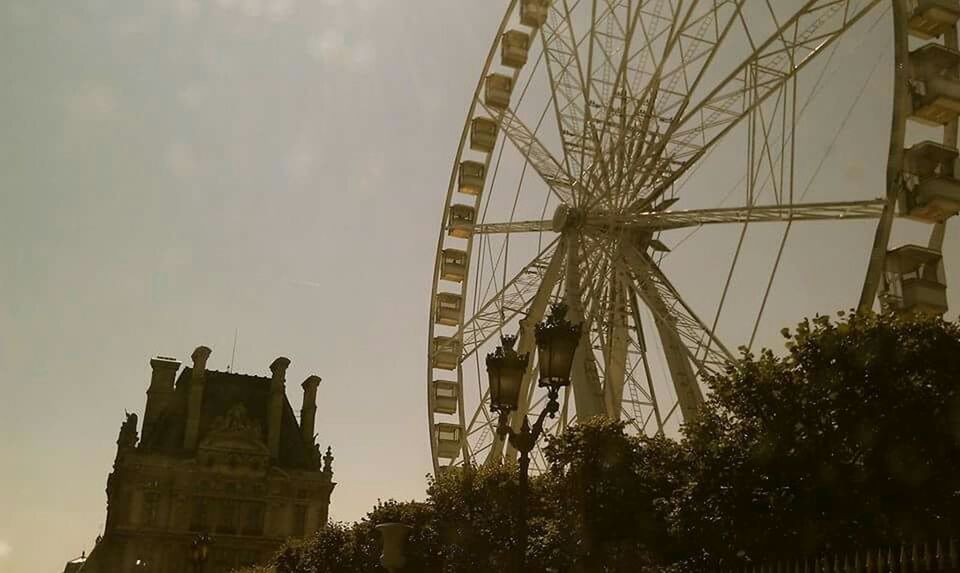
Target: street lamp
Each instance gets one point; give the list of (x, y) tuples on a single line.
[(199, 550), (557, 341), (394, 536)]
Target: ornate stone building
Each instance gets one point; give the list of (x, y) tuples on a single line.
[(219, 453)]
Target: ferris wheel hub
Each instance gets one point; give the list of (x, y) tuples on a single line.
[(566, 218)]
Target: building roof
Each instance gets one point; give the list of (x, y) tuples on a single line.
[(221, 392), (76, 565)]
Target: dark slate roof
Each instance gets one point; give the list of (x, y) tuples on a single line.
[(222, 391)]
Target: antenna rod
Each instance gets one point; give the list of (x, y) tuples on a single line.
[(233, 357)]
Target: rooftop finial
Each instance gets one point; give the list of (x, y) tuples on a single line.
[(328, 460)]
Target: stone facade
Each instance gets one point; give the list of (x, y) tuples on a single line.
[(220, 453)]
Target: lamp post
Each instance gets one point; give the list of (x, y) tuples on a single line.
[(394, 536), (199, 550), (557, 341)]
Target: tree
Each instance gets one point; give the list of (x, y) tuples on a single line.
[(852, 437), (605, 495), (476, 514)]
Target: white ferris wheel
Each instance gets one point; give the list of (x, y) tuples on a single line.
[(605, 137)]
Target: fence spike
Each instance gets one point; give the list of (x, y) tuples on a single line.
[(915, 557), (881, 563), (856, 561), (954, 559), (938, 556), (904, 565), (871, 563), (927, 557)]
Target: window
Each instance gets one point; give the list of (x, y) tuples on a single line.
[(299, 520), (151, 509), (199, 515), (253, 513), (227, 516)]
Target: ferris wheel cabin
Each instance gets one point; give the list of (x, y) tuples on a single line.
[(453, 265), (933, 18), (461, 221), (934, 85), (913, 278), (533, 13), (445, 396), (483, 134), (449, 437), (498, 88), (446, 352), (472, 176), (514, 49), (933, 190), (447, 308)]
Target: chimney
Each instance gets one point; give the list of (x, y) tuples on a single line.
[(308, 412), (195, 400), (160, 391), (275, 411)]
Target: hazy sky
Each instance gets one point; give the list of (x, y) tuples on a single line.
[(174, 173)]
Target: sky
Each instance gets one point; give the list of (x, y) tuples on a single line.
[(193, 172)]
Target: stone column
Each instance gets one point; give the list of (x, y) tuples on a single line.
[(195, 400), (308, 412), (159, 392), (275, 408)]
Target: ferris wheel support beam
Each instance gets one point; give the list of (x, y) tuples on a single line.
[(615, 349), (587, 393), (677, 355)]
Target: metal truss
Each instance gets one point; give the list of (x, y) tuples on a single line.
[(536, 154), (508, 302)]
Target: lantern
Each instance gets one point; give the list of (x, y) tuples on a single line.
[(505, 369), (557, 341)]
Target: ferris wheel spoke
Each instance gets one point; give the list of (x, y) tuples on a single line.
[(682, 54), (668, 220), (779, 57), (509, 301), (566, 79), (536, 154), (513, 227)]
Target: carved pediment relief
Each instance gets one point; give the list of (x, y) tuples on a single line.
[(235, 431)]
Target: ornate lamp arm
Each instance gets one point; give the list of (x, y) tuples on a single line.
[(524, 440)]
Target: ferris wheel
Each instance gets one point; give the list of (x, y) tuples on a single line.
[(607, 136)]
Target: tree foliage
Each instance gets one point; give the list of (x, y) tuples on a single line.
[(851, 436)]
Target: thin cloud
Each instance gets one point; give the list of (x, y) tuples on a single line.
[(5, 549)]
